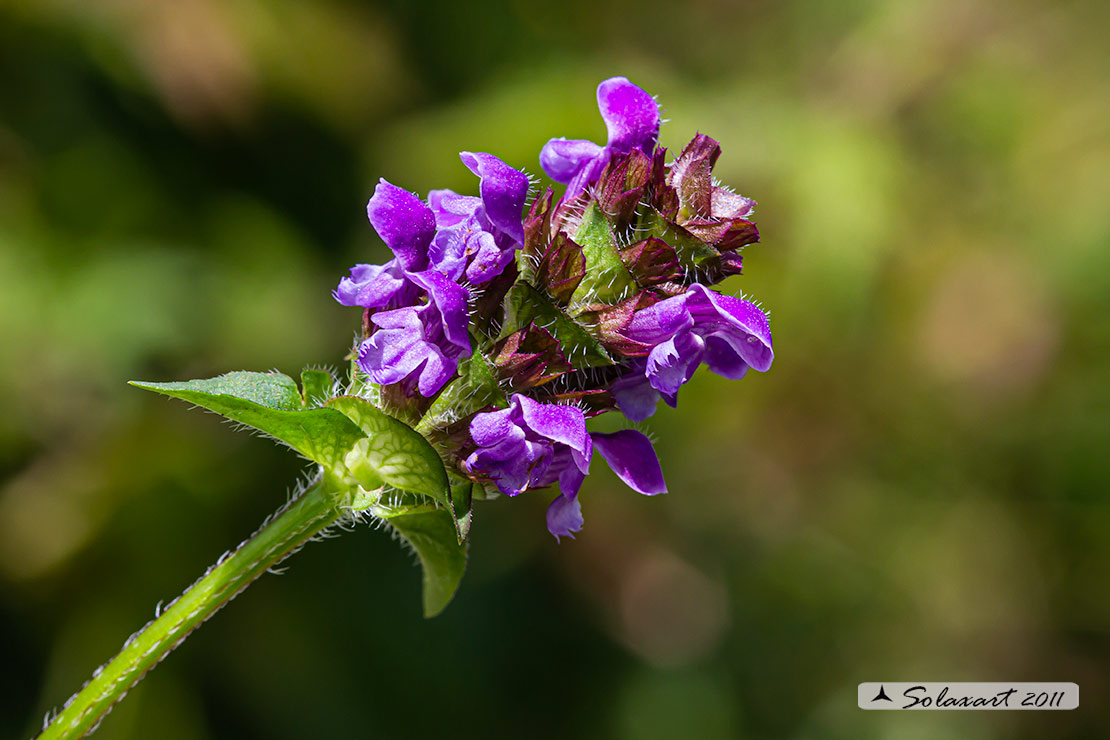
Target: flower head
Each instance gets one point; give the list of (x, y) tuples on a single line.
[(532, 445), (505, 333)]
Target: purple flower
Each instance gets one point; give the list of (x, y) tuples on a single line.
[(421, 342), (533, 444), (404, 222), (411, 345), (407, 226), (635, 396), (630, 455), (632, 119), (478, 237), (728, 334), (450, 299), (530, 445)]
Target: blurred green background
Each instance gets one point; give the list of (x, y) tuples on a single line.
[(916, 491)]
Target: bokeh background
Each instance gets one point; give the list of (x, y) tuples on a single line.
[(916, 491)]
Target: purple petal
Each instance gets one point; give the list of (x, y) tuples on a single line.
[(405, 343), (403, 222), (451, 300), (488, 260), (396, 349), (374, 286), (492, 427), (437, 370), (526, 470), (514, 473), (634, 395), (739, 323), (447, 253), (564, 424), (659, 322), (504, 191), (633, 459), (571, 475), (672, 363), (564, 517), (723, 359), (450, 208), (631, 115), (562, 159)]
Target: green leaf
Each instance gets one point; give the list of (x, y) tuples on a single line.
[(270, 403), (392, 452), (607, 280), (431, 532), (316, 386), (525, 304)]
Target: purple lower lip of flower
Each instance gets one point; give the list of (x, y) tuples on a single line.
[(630, 455), (635, 396), (409, 344), (529, 445), (403, 222), (673, 362), (450, 300), (564, 517)]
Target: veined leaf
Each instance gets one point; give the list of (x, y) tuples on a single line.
[(270, 403)]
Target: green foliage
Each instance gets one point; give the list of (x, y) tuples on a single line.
[(462, 503), (940, 398), (271, 403), (691, 252), (362, 447)]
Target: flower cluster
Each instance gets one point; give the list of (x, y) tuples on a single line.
[(500, 331)]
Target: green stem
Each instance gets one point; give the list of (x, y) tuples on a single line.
[(286, 531)]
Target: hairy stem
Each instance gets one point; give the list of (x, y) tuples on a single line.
[(293, 525)]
